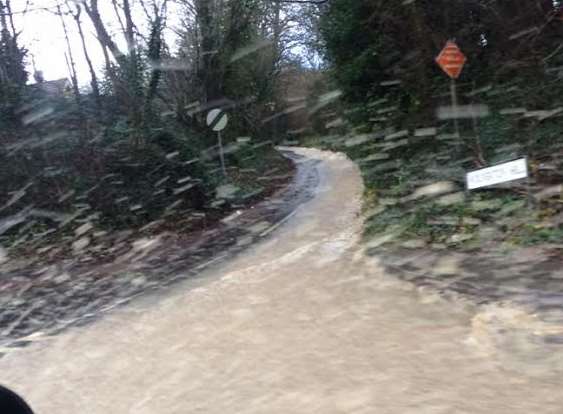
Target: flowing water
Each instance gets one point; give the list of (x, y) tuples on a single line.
[(303, 322)]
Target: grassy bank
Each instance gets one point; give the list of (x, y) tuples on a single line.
[(419, 200), (63, 194)]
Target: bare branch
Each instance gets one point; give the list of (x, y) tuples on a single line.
[(69, 56), (119, 19), (93, 77), (101, 31), (11, 17)]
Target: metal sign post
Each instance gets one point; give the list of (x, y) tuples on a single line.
[(217, 120), (221, 155), (453, 93)]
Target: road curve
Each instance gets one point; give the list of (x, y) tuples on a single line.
[(301, 323)]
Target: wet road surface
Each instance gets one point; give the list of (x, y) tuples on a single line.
[(46, 298), (303, 322)]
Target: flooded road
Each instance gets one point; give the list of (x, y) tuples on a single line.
[(303, 322)]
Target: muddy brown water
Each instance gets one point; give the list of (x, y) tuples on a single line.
[(303, 322)]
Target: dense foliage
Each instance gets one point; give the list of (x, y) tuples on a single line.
[(13, 75), (382, 57), (133, 151)]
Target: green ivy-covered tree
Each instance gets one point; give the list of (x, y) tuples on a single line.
[(13, 75), (515, 45)]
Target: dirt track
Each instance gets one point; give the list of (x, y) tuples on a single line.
[(301, 323)]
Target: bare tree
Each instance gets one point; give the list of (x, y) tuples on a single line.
[(70, 58), (109, 46), (129, 27), (118, 15), (93, 77), (91, 8), (11, 18)]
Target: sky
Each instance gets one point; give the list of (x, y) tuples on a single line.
[(42, 34)]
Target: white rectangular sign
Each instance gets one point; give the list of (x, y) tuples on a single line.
[(509, 171)]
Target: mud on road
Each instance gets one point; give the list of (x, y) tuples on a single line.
[(303, 322)]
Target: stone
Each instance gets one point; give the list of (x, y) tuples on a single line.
[(80, 244), (85, 228), (459, 238), (450, 199), (61, 278), (444, 221), (486, 205), (471, 221), (414, 244), (227, 191), (447, 265), (139, 281)]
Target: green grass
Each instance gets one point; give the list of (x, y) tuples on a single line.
[(501, 210)]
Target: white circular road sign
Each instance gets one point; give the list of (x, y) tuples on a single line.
[(217, 120)]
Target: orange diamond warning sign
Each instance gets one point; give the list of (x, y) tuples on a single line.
[(451, 60)]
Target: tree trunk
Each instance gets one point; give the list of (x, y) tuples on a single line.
[(3, 14), (277, 29), (206, 72), (4, 33), (71, 63), (129, 26), (107, 44), (93, 77), (103, 36), (11, 17), (119, 19)]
